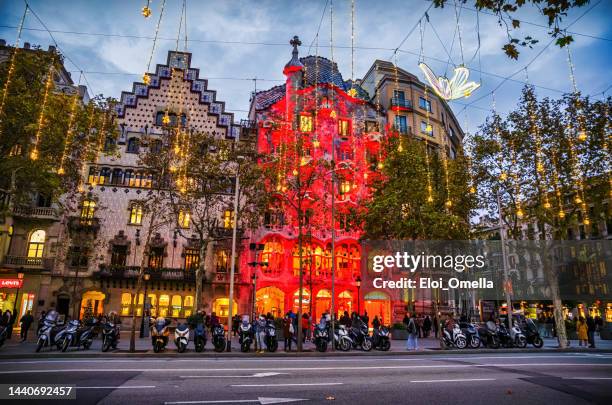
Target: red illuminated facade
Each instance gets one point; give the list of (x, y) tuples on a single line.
[(314, 125)]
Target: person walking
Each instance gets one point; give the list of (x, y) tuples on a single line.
[(412, 343), (305, 328), (288, 332), (581, 330), (436, 326), (591, 326), (7, 322), (376, 322), (26, 321), (426, 326), (366, 319), (260, 333)]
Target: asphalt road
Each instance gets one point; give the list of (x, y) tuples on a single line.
[(525, 378)]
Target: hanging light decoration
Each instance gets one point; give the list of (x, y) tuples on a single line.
[(41, 117), (73, 112), (146, 10), (146, 78)]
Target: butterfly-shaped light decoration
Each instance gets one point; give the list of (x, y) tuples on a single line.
[(456, 87)]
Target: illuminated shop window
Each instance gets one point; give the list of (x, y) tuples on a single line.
[(138, 304), (153, 302), (176, 305), (164, 302), (36, 245), (306, 123), (188, 305), (126, 302)]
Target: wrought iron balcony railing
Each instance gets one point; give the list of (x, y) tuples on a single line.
[(157, 274), (35, 212), (42, 263), (401, 103)]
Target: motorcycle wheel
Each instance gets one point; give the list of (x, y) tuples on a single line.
[(65, 344), (105, 346), (199, 346), (220, 346), (537, 342), (322, 346), (385, 346), (475, 342), (245, 347), (39, 345), (273, 346), (494, 344), (87, 345), (521, 342), (366, 345), (461, 343), (181, 348), (345, 345), (157, 347)]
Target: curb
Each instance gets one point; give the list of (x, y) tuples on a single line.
[(306, 354)]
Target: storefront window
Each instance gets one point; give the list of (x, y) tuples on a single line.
[(176, 305), (164, 302), (138, 305), (126, 301), (7, 302), (153, 302), (27, 300), (188, 305)]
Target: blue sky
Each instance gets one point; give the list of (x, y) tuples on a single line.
[(256, 35)]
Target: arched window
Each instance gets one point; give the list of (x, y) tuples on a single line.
[(126, 302), (117, 177), (188, 305), (128, 178), (132, 145), (136, 214), (176, 305), (164, 301), (109, 144), (91, 178), (36, 245)]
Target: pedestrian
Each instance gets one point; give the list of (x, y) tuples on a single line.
[(235, 324), (376, 322), (598, 324), (426, 326), (581, 330), (412, 343), (260, 332), (26, 321), (591, 326), (436, 326), (7, 322), (366, 319), (41, 318), (345, 319), (288, 332), (305, 328), (420, 325)]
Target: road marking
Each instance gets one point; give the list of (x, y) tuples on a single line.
[(457, 380), (261, 400), (118, 387), (286, 385), (587, 378), (256, 375), (293, 369)]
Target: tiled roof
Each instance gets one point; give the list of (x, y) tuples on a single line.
[(317, 70)]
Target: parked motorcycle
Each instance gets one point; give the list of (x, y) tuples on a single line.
[(271, 339), (78, 335), (321, 337), (2, 335), (380, 338), (456, 338), (517, 337), (532, 334), (181, 337), (199, 337), (360, 336), (160, 334), (110, 335), (488, 335), (342, 340), (245, 336), (471, 334), (218, 338), (49, 331)]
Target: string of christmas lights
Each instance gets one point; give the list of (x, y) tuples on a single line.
[(41, 116), (69, 134), (430, 198), (86, 149), (146, 79)]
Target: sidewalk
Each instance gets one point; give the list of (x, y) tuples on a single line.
[(14, 348)]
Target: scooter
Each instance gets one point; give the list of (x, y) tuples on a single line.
[(218, 338), (532, 335), (49, 331), (160, 334), (245, 336), (271, 338), (380, 338), (342, 340), (110, 336), (456, 339), (181, 337), (199, 337), (471, 334), (488, 335), (78, 335), (321, 337), (360, 337), (517, 336)]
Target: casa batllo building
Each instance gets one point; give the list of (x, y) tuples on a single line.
[(108, 232)]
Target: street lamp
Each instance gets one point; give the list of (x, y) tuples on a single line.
[(358, 282), (254, 283), (146, 278)]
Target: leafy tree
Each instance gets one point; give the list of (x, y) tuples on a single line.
[(548, 163), (506, 12)]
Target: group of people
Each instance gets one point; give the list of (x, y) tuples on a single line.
[(7, 321), (586, 328)]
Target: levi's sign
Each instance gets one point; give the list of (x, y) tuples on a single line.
[(10, 283)]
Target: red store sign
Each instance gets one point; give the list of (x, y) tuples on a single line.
[(11, 283)]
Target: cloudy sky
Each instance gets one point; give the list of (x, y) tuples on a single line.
[(233, 41)]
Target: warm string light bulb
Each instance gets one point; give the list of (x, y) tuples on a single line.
[(146, 79), (503, 176), (519, 213), (448, 203), (473, 190), (146, 10), (582, 135)]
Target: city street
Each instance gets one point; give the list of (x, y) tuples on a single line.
[(562, 378)]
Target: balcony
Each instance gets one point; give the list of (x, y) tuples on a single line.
[(399, 104), (78, 224), (37, 263), (36, 212), (403, 130), (132, 272)]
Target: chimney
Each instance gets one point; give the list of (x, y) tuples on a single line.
[(2, 42), (51, 48), (26, 45)]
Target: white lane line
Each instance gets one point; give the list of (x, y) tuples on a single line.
[(293, 369), (117, 387), (456, 380), (256, 375), (587, 378), (286, 385), (260, 400)]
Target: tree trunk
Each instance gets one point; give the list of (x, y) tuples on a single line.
[(553, 282), (200, 271), (301, 296)]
